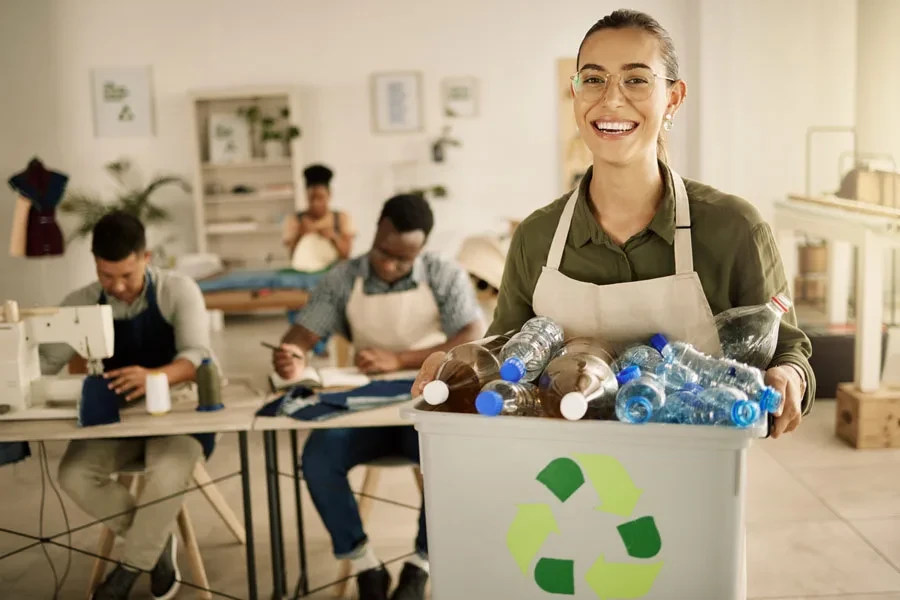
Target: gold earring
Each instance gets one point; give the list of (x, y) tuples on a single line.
[(667, 123)]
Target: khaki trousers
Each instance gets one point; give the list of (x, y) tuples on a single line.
[(85, 474)]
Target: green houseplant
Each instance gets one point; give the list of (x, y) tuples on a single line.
[(277, 134), (134, 198)]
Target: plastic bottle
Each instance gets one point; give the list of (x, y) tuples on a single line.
[(509, 399), (749, 334), (724, 405), (209, 386), (711, 372), (681, 406), (639, 397), (548, 326), (674, 376), (639, 355), (579, 379), (526, 355), (463, 372)]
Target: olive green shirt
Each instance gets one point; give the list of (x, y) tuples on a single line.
[(735, 257)]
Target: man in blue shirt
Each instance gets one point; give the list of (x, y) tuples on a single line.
[(397, 305)]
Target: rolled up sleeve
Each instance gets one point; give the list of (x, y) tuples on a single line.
[(758, 276), (189, 319)]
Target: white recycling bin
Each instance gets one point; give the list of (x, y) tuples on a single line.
[(535, 509)]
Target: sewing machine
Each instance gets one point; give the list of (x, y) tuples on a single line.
[(26, 394)]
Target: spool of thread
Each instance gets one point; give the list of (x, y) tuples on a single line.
[(209, 387), (159, 401)]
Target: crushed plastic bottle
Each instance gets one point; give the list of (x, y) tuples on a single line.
[(713, 372), (639, 355), (749, 334), (640, 396), (681, 406), (527, 353), (579, 379), (674, 376), (509, 399), (463, 373), (724, 405)]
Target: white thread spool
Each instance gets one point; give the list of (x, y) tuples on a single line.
[(159, 402)]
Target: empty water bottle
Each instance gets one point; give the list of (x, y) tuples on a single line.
[(462, 374), (639, 397), (681, 406), (509, 399), (683, 354), (578, 380), (724, 405), (527, 353), (674, 376), (639, 355), (749, 334)]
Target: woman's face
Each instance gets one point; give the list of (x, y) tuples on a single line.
[(317, 198), (622, 96)]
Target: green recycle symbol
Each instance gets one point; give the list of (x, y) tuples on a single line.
[(534, 523)]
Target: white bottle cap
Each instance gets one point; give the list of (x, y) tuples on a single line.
[(436, 392), (573, 406)]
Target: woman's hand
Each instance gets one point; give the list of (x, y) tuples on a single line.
[(128, 381), (427, 372), (787, 381)]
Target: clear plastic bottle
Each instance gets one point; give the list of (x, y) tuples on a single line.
[(548, 326), (749, 334), (681, 406), (639, 397), (674, 376), (464, 371), (724, 405), (712, 371), (579, 379), (639, 355), (509, 399), (526, 355)]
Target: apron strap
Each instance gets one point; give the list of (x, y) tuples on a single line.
[(554, 258), (684, 253)]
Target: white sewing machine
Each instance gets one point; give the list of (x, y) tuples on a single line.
[(24, 392)]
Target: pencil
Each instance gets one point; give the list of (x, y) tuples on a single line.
[(274, 347)]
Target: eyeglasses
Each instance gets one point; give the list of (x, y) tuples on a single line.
[(382, 256), (635, 84)]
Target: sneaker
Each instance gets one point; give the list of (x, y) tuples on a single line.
[(412, 583), (165, 578), (117, 585), (374, 584)]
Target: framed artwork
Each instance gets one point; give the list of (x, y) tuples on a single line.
[(397, 102), (229, 138), (460, 96), (123, 103)]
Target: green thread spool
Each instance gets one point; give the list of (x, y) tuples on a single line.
[(209, 387)]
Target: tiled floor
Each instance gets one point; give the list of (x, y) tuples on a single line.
[(823, 519)]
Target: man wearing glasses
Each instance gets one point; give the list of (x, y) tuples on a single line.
[(397, 305)]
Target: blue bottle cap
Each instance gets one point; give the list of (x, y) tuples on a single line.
[(489, 403), (512, 369), (769, 399), (211, 408), (628, 373), (206, 361), (638, 410), (744, 413), (659, 341)]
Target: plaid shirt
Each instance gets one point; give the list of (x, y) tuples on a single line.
[(326, 311)]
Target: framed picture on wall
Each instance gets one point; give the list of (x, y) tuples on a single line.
[(397, 102), (229, 138), (123, 104), (460, 96)]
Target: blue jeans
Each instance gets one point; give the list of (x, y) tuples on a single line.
[(328, 456)]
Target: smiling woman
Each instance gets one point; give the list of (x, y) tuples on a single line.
[(635, 249)]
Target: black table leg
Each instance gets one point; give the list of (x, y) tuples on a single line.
[(303, 582), (248, 516), (279, 579)]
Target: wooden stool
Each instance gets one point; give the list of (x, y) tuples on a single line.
[(370, 485), (132, 477)]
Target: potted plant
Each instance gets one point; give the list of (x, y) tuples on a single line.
[(277, 135), (132, 197)]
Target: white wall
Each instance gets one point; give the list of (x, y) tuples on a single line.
[(743, 128), (877, 117)]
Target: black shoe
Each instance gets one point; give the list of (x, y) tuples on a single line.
[(117, 586), (374, 584), (412, 583), (164, 578)]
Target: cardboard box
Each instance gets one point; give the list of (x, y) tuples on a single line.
[(813, 259), (810, 289), (878, 187), (868, 420)]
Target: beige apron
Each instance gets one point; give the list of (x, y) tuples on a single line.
[(397, 321), (313, 253), (625, 313)]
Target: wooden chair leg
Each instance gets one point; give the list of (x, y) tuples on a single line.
[(212, 493), (192, 551), (370, 484), (104, 549)]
